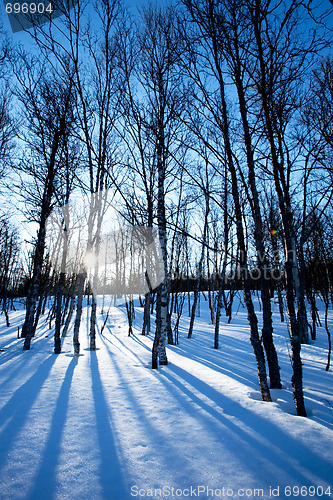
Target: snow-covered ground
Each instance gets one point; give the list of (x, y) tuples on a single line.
[(106, 426)]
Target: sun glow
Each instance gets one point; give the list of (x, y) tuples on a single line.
[(90, 260)]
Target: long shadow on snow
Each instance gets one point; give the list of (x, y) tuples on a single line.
[(242, 376), (256, 420), (149, 429), (20, 403), (322, 415), (111, 476), (215, 427), (276, 439), (10, 330), (322, 407), (247, 443), (317, 394), (205, 341), (45, 482), (14, 348), (23, 360)]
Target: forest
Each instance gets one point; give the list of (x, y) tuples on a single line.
[(176, 152)]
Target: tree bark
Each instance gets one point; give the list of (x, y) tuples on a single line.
[(59, 296), (254, 337), (81, 280), (287, 223), (220, 293), (267, 329), (146, 315), (200, 265)]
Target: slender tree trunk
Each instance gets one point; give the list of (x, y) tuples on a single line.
[(130, 314), (195, 300), (5, 311), (218, 313), (220, 293), (69, 316), (154, 362), (41, 301), (73, 294), (146, 316), (28, 329), (57, 340), (92, 332), (200, 265), (81, 280), (267, 329), (287, 223), (162, 303), (314, 311), (65, 307), (300, 291), (252, 318), (163, 360), (59, 296), (255, 340), (327, 302), (211, 291)]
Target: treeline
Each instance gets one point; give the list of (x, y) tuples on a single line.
[(209, 122)]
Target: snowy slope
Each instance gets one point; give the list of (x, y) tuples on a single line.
[(106, 426)]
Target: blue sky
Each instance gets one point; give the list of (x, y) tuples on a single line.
[(131, 4)]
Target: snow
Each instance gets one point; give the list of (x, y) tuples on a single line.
[(106, 426)]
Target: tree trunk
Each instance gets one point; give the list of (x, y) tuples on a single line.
[(255, 340), (162, 294), (92, 332), (267, 329), (130, 314), (218, 313), (60, 293), (81, 280), (28, 329), (197, 284), (211, 291), (74, 292), (57, 340), (327, 302), (146, 315), (300, 294), (287, 223), (5, 311), (220, 293)]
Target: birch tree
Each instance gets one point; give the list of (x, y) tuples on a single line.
[(278, 66), (234, 34), (160, 48), (9, 263), (8, 127), (89, 56), (214, 98), (48, 104)]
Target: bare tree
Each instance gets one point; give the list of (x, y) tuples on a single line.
[(159, 76), (233, 36), (8, 127), (48, 109), (278, 65), (203, 15), (205, 181), (89, 56), (9, 263)]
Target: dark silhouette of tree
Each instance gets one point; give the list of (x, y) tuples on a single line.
[(48, 108)]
